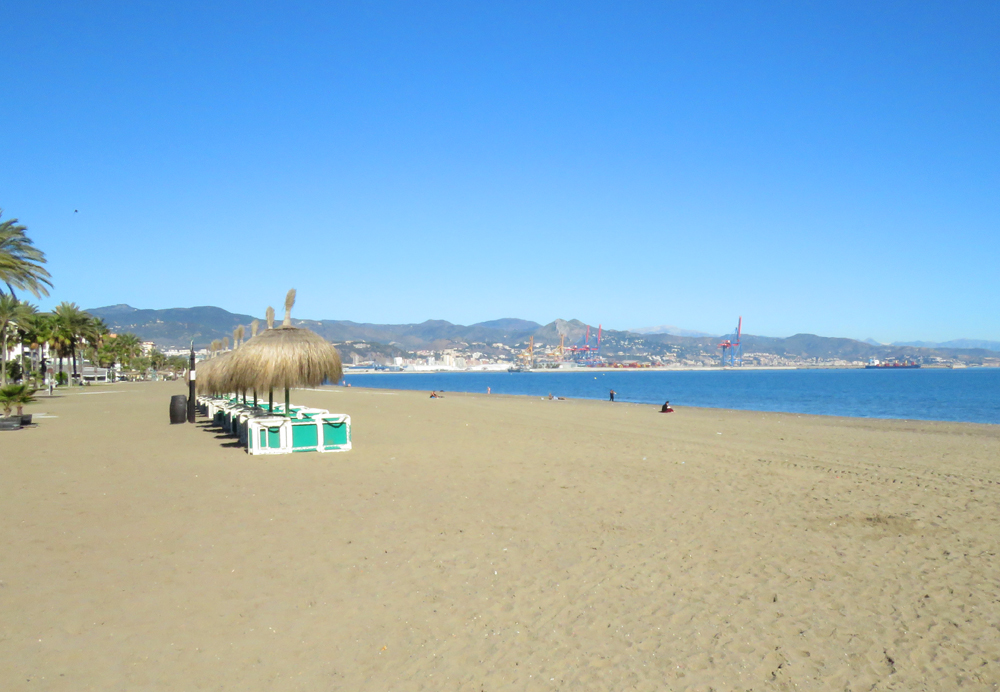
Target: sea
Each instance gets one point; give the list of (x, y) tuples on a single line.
[(968, 395)]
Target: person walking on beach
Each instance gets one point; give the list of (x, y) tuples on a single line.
[(612, 396)]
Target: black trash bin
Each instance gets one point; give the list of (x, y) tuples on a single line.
[(178, 409)]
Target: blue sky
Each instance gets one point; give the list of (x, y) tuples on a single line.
[(830, 168)]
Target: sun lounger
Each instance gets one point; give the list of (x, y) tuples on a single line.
[(321, 432), (269, 435)]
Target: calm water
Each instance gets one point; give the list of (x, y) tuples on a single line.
[(971, 395)]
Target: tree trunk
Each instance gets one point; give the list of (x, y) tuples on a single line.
[(3, 360), (74, 365)]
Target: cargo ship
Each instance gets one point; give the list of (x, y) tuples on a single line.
[(894, 365)]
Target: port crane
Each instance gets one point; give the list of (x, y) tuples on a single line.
[(733, 347), (527, 356), (585, 353)]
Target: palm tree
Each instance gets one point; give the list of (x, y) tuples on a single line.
[(72, 325), (25, 320), (127, 347), (157, 360), (13, 313), (93, 333), (20, 261), (59, 342), (107, 355), (8, 311), (37, 335), (99, 329)]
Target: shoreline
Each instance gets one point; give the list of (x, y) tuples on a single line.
[(644, 405), (746, 368)]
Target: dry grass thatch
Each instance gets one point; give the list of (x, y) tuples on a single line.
[(284, 357), (213, 375)]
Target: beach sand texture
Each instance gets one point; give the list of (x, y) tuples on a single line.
[(497, 543)]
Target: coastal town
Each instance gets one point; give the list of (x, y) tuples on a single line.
[(521, 357), (112, 356)]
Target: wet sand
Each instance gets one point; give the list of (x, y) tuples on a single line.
[(492, 543)]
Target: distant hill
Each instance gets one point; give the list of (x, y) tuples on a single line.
[(954, 343), (178, 327), (668, 329), (174, 327), (429, 335), (571, 331), (510, 324)]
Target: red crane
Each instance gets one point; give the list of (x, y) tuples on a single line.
[(733, 346), (586, 352)]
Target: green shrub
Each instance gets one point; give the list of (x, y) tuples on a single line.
[(19, 395)]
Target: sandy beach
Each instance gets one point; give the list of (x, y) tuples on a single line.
[(497, 543)]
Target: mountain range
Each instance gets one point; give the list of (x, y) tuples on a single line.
[(668, 329), (178, 327), (954, 343)]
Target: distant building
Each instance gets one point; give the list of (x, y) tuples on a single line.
[(92, 374)]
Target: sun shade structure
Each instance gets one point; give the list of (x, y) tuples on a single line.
[(213, 375), (283, 357)]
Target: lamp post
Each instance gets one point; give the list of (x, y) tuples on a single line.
[(191, 381)]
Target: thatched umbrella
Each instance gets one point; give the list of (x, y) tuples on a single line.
[(213, 375), (284, 356), (238, 334), (254, 327), (205, 368)]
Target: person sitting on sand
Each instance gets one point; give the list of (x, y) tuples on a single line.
[(666, 408), (434, 394)]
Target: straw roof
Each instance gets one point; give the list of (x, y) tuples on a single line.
[(213, 375), (284, 356)]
